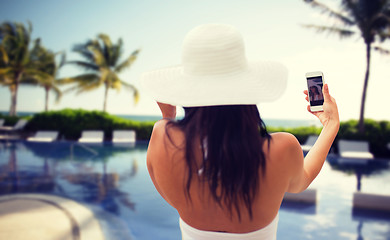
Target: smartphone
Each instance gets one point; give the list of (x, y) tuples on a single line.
[(315, 82)]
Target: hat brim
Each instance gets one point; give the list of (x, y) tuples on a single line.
[(260, 82)]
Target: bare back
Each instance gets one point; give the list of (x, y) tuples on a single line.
[(168, 170)]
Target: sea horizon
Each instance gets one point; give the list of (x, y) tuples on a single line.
[(269, 122)]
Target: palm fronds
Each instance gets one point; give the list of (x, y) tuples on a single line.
[(133, 89), (341, 32), (84, 52), (330, 12), (382, 50), (128, 62), (100, 58), (371, 17), (85, 65), (15, 57)]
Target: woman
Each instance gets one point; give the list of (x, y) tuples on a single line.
[(218, 166), (315, 94)]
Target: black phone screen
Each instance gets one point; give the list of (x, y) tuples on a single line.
[(314, 85)]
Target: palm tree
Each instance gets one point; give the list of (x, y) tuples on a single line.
[(14, 57), (372, 20), (101, 61), (44, 62)]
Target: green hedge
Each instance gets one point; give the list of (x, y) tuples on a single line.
[(377, 133), (11, 120), (301, 133), (70, 123)]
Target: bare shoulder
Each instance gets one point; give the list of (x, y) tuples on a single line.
[(287, 157), (286, 149), (285, 140), (155, 148), (164, 140), (163, 131), (159, 128), (163, 149), (161, 154)]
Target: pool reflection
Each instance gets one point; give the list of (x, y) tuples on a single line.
[(75, 163), (14, 179), (299, 207), (358, 167), (114, 182)]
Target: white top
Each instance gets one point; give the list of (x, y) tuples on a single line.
[(266, 233)]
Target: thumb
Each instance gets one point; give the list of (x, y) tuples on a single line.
[(325, 92)]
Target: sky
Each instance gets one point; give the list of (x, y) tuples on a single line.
[(272, 30)]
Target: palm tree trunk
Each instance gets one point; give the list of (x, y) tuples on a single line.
[(14, 93), (368, 58), (46, 99), (13, 90), (105, 98)]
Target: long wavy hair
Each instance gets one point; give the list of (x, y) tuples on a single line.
[(231, 139)]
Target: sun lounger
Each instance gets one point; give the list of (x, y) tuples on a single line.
[(18, 126), (123, 136), (354, 149), (309, 143), (371, 201), (44, 136), (354, 152), (91, 136)]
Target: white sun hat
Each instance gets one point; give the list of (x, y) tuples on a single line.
[(215, 71)]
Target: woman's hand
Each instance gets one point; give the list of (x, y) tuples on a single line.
[(330, 114), (167, 110)]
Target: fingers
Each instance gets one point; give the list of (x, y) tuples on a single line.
[(325, 92), (307, 95), (308, 109)]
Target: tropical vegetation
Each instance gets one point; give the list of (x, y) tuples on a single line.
[(102, 63), (71, 122), (16, 64), (26, 61), (368, 18), (44, 61), (377, 134)]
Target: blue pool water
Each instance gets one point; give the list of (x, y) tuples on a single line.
[(114, 183)]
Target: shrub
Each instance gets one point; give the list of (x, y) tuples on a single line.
[(70, 123), (377, 133), (10, 120), (301, 133)]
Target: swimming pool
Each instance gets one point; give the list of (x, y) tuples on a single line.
[(114, 183)]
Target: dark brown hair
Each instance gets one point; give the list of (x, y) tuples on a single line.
[(231, 139)]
